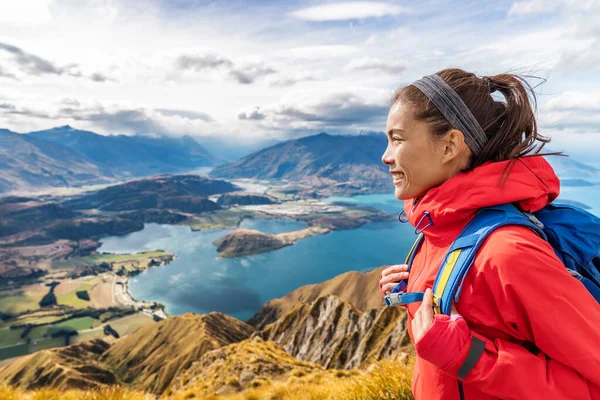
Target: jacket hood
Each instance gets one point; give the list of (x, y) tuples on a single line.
[(531, 183)]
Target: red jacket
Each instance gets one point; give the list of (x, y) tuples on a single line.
[(541, 327)]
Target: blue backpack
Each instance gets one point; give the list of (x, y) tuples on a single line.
[(572, 232)]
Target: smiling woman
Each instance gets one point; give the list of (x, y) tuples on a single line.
[(453, 150)]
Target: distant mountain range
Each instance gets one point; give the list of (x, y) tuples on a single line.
[(27, 162), (354, 159), (66, 157)]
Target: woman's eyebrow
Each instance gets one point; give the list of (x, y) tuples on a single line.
[(395, 130)]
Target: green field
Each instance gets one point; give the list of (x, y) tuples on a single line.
[(10, 336), (96, 259), (19, 302), (114, 258), (76, 324), (124, 326), (24, 349), (38, 332), (71, 299)]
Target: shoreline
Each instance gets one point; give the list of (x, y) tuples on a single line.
[(151, 308)]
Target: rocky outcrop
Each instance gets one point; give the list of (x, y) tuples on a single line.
[(361, 289), (72, 367), (334, 334), (245, 199)]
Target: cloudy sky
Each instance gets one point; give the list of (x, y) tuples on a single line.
[(250, 71)]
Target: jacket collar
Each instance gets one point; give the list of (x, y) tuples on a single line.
[(444, 211)]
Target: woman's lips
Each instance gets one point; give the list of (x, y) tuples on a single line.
[(397, 177)]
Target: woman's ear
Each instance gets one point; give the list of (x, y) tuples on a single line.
[(453, 146)]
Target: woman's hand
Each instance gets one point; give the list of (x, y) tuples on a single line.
[(391, 276), (424, 317)]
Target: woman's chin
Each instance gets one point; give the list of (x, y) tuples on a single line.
[(401, 194)]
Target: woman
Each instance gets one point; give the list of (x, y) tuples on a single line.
[(453, 148)]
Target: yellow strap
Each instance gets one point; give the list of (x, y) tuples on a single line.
[(412, 249), (447, 269)]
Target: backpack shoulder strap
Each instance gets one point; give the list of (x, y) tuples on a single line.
[(461, 255)]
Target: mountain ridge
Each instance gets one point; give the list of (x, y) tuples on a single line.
[(332, 159)]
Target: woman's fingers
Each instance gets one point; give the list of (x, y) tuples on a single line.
[(388, 287), (391, 275), (392, 269), (394, 277)]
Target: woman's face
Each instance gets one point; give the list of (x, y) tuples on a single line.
[(414, 159)]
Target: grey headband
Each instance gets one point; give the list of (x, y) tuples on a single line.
[(453, 109)]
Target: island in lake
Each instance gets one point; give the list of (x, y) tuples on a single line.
[(58, 289)]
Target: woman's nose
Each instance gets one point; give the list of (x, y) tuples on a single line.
[(387, 158)]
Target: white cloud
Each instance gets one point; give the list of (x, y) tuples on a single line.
[(371, 64), (532, 7), (320, 52), (572, 110), (116, 66), (348, 10), (355, 108), (25, 12)]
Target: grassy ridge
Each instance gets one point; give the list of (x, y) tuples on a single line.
[(387, 380)]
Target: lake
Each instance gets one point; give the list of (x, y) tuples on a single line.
[(198, 281)]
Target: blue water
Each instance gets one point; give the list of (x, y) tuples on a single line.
[(200, 282)]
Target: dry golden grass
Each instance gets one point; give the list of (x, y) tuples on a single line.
[(111, 393), (386, 380)]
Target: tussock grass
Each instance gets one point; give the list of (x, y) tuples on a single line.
[(385, 380), (110, 393)]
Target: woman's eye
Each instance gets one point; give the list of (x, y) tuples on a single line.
[(396, 139)]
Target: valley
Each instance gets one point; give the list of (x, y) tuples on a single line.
[(57, 289)]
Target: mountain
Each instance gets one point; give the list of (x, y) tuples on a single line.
[(313, 341), (332, 159), (352, 287), (187, 193), (334, 334), (27, 163), (238, 366), (62, 368), (152, 356), (136, 155), (147, 359)]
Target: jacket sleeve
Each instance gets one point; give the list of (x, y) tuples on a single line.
[(543, 304)]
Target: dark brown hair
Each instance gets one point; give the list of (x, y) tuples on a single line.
[(509, 125)]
